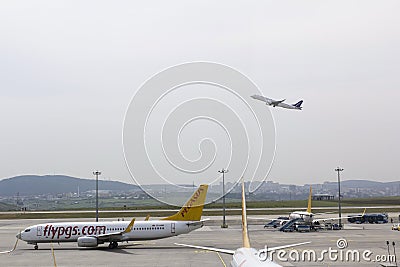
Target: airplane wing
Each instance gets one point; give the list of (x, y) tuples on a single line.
[(116, 235), (197, 222), (329, 219), (323, 213), (269, 219), (288, 246), (337, 218), (226, 251), (276, 102), (263, 98), (267, 100)]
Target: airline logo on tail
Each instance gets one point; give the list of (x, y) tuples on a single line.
[(191, 202), (193, 209), (298, 104)]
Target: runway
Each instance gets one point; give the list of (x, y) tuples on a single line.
[(370, 237)]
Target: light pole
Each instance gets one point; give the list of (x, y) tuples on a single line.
[(394, 252), (223, 171), (97, 173), (340, 206)]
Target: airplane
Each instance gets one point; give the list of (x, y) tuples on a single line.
[(309, 217), (92, 234), (246, 256), (278, 103)]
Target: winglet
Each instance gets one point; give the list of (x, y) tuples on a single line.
[(193, 209), (245, 234), (129, 228), (363, 212), (309, 201), (147, 217)]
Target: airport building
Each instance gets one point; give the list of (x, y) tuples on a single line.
[(323, 197)]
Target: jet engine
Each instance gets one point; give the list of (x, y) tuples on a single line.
[(87, 241)]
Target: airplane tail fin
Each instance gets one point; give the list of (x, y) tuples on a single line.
[(298, 104), (309, 201), (245, 234), (193, 208)]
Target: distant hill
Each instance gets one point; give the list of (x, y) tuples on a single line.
[(33, 185), (7, 207), (362, 184), (28, 185)]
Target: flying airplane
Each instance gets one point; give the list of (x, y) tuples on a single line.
[(92, 234), (246, 256), (278, 103)]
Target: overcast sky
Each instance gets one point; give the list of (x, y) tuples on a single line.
[(68, 71)]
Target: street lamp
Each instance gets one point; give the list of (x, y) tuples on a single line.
[(338, 170), (97, 173), (223, 171)]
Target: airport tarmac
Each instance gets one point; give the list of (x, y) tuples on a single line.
[(176, 210), (361, 239)]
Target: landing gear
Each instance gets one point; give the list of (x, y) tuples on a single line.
[(36, 247), (113, 245)]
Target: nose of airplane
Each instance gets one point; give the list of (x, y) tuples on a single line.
[(18, 236)]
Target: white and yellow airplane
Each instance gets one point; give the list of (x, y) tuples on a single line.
[(92, 234), (309, 217), (246, 256)]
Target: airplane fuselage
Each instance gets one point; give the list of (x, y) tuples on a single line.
[(249, 257), (70, 232), (284, 105), (91, 234), (304, 215)]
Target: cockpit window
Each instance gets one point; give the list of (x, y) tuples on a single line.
[(27, 230)]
